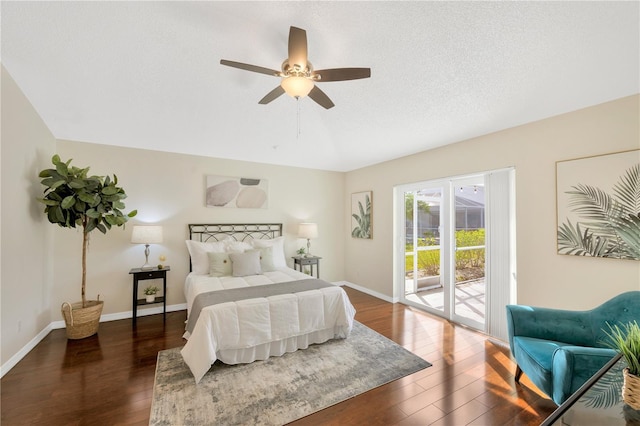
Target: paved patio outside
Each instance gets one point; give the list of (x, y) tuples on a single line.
[(470, 299)]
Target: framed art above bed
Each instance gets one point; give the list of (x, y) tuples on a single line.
[(237, 192)]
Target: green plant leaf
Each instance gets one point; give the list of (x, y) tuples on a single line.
[(48, 202), (68, 202), (61, 168), (626, 340), (77, 183), (87, 198), (109, 190), (92, 213)]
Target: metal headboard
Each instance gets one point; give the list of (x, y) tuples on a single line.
[(237, 231), (212, 232)]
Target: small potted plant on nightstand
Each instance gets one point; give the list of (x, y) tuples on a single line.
[(150, 292)]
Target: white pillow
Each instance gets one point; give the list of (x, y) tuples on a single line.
[(277, 244), (247, 263), (198, 252), (266, 259), (233, 246), (219, 264)]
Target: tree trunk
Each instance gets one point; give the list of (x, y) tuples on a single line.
[(85, 240)]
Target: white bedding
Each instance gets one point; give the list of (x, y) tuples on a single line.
[(196, 284), (255, 329)]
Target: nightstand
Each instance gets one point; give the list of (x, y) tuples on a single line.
[(300, 261), (149, 274)]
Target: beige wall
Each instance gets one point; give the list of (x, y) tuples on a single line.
[(544, 278), (168, 189), (27, 237)]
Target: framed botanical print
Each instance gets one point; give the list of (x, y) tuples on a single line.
[(598, 206), (361, 208)]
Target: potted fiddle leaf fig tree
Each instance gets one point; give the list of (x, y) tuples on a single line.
[(73, 198)]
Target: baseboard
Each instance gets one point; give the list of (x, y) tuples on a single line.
[(7, 366), (128, 314), (368, 291), (4, 369)]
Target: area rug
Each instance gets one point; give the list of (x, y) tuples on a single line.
[(281, 389)]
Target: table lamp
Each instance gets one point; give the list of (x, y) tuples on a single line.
[(144, 234), (308, 231)]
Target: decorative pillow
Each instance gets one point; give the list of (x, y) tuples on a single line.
[(247, 263), (198, 252), (266, 259), (233, 246), (277, 244), (219, 264)]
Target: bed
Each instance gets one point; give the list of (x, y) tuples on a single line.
[(245, 304)]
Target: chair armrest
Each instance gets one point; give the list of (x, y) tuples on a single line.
[(560, 325), (573, 366)]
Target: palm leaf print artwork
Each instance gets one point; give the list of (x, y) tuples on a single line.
[(608, 223), (361, 215)]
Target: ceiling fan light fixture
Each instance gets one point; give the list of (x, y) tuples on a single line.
[(296, 86)]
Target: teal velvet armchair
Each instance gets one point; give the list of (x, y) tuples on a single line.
[(560, 350)]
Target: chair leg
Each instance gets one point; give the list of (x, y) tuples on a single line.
[(518, 373)]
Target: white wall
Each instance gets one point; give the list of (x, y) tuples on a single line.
[(27, 237), (168, 189), (544, 277)]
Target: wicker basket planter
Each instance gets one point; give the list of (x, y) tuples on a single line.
[(82, 322), (631, 389)]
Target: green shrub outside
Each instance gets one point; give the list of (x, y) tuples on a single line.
[(429, 260)]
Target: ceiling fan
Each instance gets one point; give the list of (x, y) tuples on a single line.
[(298, 76)]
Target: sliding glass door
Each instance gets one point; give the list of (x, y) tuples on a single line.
[(423, 252), (468, 252), (442, 229)]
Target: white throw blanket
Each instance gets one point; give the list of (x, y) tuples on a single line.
[(254, 329)]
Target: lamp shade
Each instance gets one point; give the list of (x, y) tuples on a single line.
[(308, 230), (144, 234)]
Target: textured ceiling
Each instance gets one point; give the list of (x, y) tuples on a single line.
[(148, 74)]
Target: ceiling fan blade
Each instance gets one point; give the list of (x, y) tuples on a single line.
[(272, 95), (297, 47), (249, 67), (341, 74), (321, 98)]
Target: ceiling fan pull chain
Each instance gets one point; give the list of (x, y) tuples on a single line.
[(298, 117)]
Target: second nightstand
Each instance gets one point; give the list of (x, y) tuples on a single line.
[(151, 274), (300, 261)]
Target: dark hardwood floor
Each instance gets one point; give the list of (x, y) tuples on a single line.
[(107, 379)]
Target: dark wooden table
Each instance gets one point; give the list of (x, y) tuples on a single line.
[(149, 274)]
